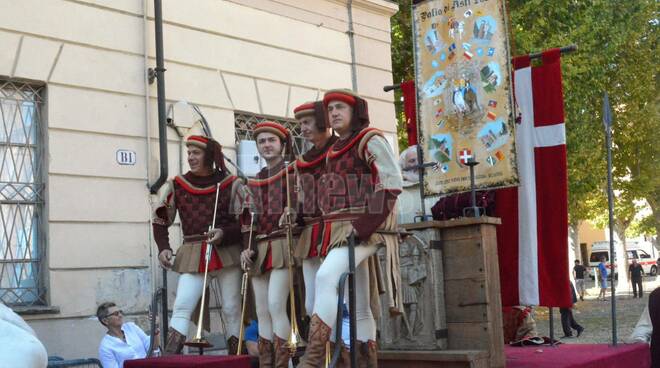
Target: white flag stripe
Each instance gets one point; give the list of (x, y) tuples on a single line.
[(528, 281), (550, 135)]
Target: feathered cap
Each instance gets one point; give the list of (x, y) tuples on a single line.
[(213, 155)]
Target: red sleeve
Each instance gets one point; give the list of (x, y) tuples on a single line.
[(380, 204), (162, 237), (232, 234)]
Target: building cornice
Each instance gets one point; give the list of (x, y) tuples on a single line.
[(385, 7)]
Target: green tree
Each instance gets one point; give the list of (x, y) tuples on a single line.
[(635, 102), (617, 43), (642, 226), (403, 68)]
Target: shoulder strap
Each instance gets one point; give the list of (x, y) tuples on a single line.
[(358, 139), (365, 139)]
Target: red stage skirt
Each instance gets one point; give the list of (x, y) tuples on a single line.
[(579, 355), (191, 361)]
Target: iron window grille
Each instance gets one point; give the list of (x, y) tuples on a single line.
[(22, 244)]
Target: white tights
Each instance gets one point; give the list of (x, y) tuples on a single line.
[(327, 286), (189, 291), (271, 295), (310, 267)]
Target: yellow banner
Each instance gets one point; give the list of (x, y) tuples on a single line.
[(462, 66)]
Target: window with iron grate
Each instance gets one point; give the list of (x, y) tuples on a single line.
[(22, 243)]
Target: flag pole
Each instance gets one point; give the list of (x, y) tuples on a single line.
[(562, 50), (551, 321), (607, 124), (420, 153)]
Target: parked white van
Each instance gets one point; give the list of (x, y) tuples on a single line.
[(635, 251)]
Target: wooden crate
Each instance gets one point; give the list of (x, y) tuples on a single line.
[(473, 304)]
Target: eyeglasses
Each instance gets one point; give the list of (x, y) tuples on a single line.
[(115, 314)]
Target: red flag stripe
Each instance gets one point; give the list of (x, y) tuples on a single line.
[(410, 109), (551, 186), (549, 100), (532, 240)]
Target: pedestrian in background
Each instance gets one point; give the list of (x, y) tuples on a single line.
[(602, 271), (636, 272), (568, 323), (579, 271)]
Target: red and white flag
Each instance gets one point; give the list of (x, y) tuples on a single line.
[(464, 156), (533, 238)]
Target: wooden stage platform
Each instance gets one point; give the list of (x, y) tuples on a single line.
[(560, 356)]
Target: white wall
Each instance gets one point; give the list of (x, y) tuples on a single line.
[(260, 56)]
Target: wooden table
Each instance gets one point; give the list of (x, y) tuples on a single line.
[(471, 282)]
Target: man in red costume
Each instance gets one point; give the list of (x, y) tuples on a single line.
[(310, 167), (270, 276), (193, 196), (357, 197)]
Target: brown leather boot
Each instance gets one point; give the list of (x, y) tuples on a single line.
[(266, 353), (174, 343), (367, 354), (344, 360), (372, 354), (282, 353), (232, 345), (319, 333)]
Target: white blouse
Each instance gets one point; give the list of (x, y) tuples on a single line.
[(643, 329), (114, 351)]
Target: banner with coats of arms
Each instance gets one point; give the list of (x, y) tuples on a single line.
[(463, 93)]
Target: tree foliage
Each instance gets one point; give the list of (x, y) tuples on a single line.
[(616, 54), (642, 226), (403, 68)]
